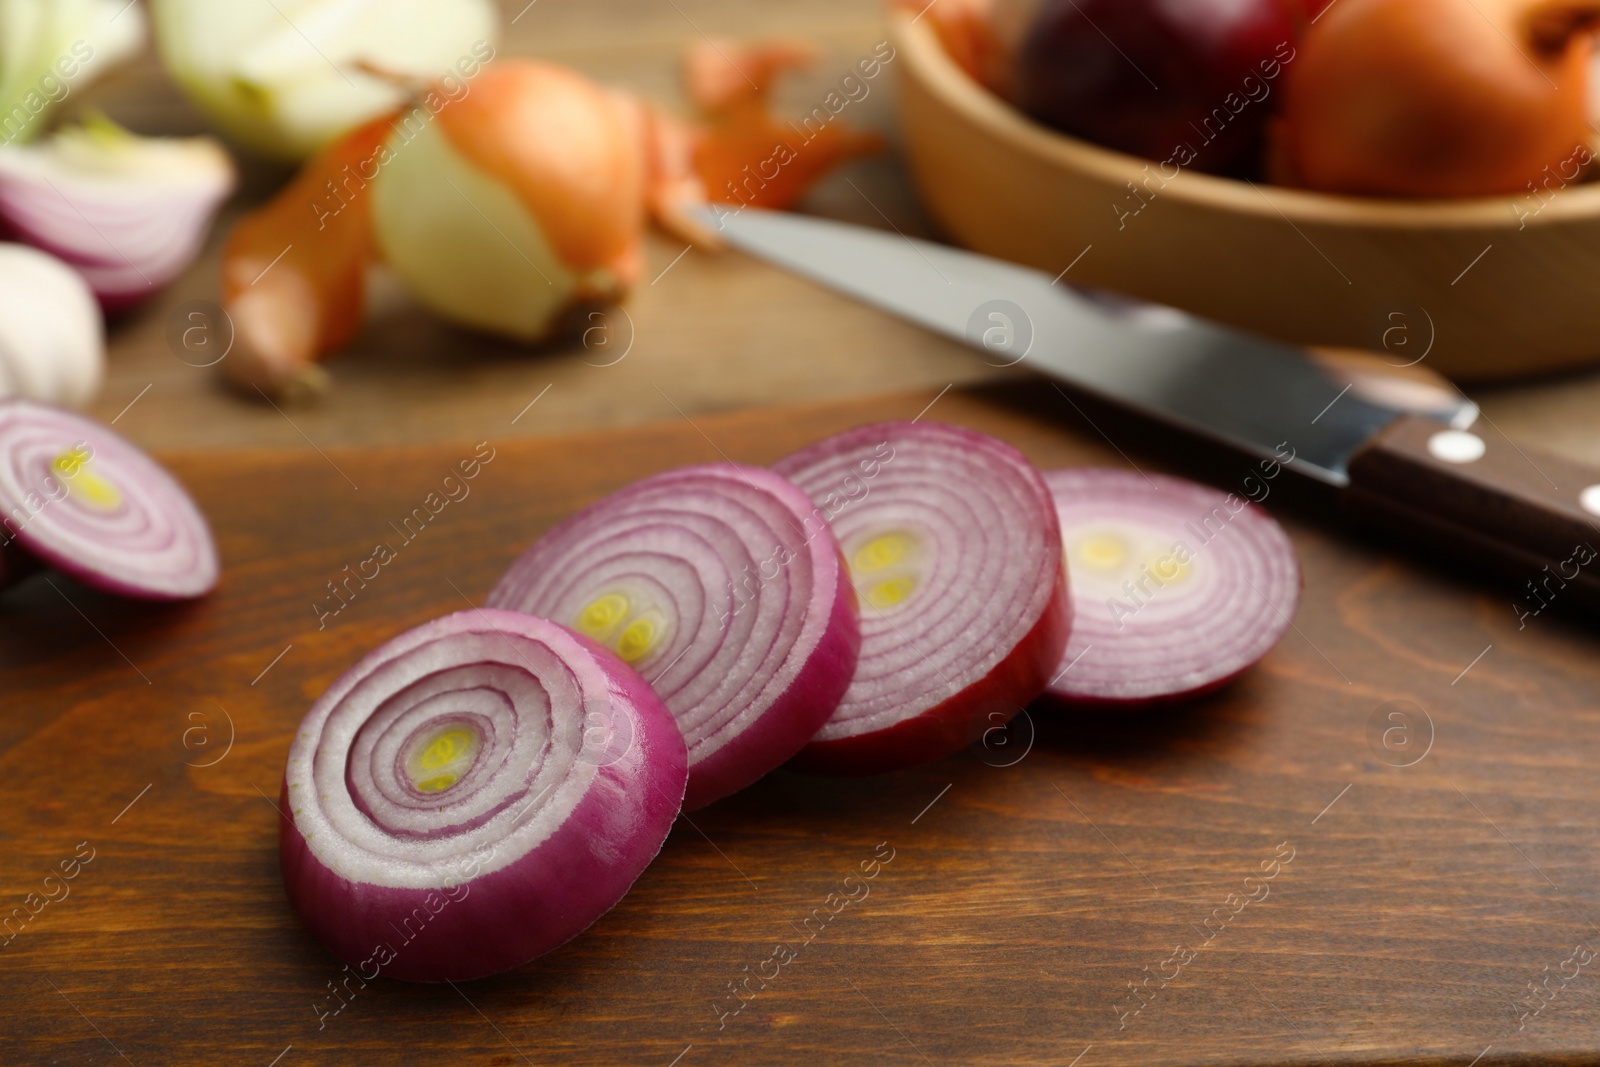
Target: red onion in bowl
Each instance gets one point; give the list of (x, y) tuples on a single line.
[(472, 794), (78, 497), (954, 549), (722, 587), (1177, 588)]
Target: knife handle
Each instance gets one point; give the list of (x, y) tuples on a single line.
[(1527, 515)]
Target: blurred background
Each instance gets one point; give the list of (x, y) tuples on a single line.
[(708, 332), (716, 332)]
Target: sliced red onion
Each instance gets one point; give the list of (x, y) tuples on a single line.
[(128, 213), (955, 554), (83, 500), (472, 794), (721, 586), (1177, 588)]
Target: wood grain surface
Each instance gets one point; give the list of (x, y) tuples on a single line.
[(1428, 859)]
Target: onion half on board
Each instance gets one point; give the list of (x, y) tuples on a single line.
[(76, 496), (954, 550), (1178, 588), (721, 586), (472, 794)]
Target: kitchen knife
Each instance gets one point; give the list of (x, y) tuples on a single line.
[(1433, 478)]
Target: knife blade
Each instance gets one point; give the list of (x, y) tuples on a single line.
[(1430, 478), (1246, 391)]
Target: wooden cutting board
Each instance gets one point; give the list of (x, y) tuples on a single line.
[(1423, 869)]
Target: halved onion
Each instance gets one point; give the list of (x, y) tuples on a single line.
[(472, 794), (287, 78), (80, 498), (1177, 588), (128, 213), (722, 586), (953, 546)]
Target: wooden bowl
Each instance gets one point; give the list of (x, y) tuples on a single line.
[(1483, 289)]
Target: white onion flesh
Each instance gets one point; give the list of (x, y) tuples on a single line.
[(51, 49), (76, 496), (722, 586), (128, 213), (954, 551), (474, 793), (286, 79), (1177, 588)]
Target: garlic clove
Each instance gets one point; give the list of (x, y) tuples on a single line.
[(52, 342)]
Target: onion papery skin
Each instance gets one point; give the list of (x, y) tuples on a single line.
[(988, 614), (121, 524), (1196, 632), (561, 824), (751, 675)]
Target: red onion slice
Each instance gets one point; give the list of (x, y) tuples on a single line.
[(83, 500), (955, 554), (472, 794), (720, 585), (1177, 588)]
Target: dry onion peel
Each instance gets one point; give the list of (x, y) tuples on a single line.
[(520, 200), (505, 206), (294, 278), (744, 154)]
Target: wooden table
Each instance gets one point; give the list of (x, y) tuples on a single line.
[(1023, 900), (1081, 892)]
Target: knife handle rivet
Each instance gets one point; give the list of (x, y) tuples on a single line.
[(1457, 446), (1589, 500)]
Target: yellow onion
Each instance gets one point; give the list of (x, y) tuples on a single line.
[(516, 201), (1437, 98)]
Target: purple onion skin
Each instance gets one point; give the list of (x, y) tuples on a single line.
[(131, 590), (798, 714), (959, 720), (505, 918)]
